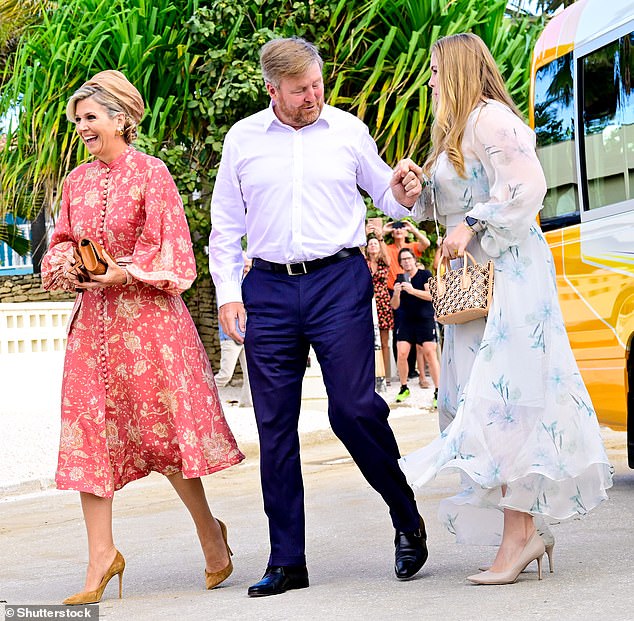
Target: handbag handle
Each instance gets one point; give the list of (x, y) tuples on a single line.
[(465, 280)]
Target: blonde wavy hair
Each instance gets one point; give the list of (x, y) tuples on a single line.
[(467, 75)]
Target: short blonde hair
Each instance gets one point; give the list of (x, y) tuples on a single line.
[(467, 75), (281, 58), (109, 102)]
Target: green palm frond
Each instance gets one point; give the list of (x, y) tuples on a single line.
[(381, 61), (144, 39), (12, 236)]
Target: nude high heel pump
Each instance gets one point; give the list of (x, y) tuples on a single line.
[(549, 541), (214, 578), (93, 597), (533, 551), (549, 546)]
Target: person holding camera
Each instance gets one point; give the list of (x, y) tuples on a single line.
[(417, 325), (401, 230)]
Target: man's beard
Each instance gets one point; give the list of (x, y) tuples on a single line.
[(302, 117)]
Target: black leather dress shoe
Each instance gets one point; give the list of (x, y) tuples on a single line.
[(411, 552), (277, 580)]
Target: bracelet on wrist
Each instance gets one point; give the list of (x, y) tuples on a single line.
[(128, 276)]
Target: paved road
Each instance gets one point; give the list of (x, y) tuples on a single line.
[(350, 552)]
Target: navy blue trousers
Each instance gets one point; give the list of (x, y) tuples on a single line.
[(329, 309)]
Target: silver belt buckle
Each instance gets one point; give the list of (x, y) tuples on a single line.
[(290, 268)]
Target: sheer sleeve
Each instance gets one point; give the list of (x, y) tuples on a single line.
[(423, 209), (517, 186), (163, 255), (60, 249)]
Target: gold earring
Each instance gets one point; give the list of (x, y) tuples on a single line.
[(120, 131)]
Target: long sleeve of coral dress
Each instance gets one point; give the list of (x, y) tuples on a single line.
[(513, 408), (138, 392)]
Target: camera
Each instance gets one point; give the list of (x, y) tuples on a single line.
[(403, 278), (398, 225)]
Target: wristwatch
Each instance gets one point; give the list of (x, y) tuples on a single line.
[(474, 225)]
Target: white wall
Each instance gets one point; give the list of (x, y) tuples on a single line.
[(32, 342)]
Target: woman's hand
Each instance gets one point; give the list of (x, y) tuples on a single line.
[(371, 229), (456, 242), (115, 275)]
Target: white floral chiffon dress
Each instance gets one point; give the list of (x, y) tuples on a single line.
[(138, 392), (513, 408)]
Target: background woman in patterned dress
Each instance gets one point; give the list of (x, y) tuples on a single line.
[(138, 393), (379, 263), (518, 423)]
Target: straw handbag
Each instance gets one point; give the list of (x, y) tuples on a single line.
[(462, 294)]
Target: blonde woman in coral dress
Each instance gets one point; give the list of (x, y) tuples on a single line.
[(138, 393)]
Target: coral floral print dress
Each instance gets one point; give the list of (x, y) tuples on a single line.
[(138, 392)]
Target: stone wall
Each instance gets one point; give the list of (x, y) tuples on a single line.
[(200, 300), (28, 288)]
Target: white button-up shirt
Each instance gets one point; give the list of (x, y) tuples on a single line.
[(293, 193)]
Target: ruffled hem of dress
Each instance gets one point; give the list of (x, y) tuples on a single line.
[(81, 486), (475, 515)]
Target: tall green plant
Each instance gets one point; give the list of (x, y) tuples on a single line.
[(15, 17), (143, 38), (381, 52)]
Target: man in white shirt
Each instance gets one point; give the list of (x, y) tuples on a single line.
[(289, 179)]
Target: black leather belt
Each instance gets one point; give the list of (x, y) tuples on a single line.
[(297, 269)]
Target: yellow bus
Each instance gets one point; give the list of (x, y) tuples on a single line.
[(582, 110)]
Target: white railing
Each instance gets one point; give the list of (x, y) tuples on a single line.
[(32, 344), (34, 327)]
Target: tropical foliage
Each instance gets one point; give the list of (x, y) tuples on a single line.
[(15, 17), (78, 38), (197, 66), (528, 7), (381, 61)]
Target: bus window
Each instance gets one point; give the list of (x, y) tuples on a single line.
[(608, 123), (554, 127)]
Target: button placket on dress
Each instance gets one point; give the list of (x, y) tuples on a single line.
[(101, 306)]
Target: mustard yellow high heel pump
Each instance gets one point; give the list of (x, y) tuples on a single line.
[(214, 578), (93, 597)]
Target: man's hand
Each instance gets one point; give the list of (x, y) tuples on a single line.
[(405, 184), (232, 318), (407, 287)]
